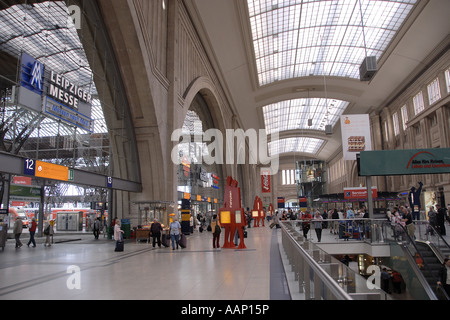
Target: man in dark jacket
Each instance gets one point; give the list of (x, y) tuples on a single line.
[(440, 220), (155, 232), (444, 276)]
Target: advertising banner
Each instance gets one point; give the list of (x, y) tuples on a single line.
[(401, 162), (359, 193), (265, 181), (355, 135), (280, 201)]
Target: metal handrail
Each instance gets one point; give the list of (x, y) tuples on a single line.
[(327, 280)]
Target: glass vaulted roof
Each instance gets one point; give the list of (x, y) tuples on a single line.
[(310, 113), (296, 144), (298, 38)]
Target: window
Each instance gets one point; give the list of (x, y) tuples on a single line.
[(434, 91), (404, 116), (396, 126), (295, 114), (301, 38), (418, 103), (287, 177), (447, 79)]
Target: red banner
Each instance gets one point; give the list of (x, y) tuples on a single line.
[(265, 181)]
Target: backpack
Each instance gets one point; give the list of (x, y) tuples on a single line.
[(47, 231), (217, 229)]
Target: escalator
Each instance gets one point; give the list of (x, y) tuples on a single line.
[(419, 261), (432, 262)]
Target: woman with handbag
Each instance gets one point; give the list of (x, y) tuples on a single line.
[(216, 230)]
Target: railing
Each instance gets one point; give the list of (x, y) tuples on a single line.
[(427, 233), (318, 273), (321, 276)]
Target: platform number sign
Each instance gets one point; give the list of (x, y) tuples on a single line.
[(109, 182), (29, 167)]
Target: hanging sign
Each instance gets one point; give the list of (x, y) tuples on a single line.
[(401, 162)]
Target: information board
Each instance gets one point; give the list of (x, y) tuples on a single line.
[(225, 217), (47, 170)]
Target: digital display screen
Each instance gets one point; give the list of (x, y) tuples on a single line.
[(255, 214), (225, 217)]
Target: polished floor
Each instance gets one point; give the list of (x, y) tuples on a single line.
[(79, 267)]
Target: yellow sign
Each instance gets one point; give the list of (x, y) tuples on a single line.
[(255, 214), (51, 171), (225, 217)]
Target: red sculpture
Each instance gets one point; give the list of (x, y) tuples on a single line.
[(232, 216), (258, 212)]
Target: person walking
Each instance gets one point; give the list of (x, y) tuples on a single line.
[(407, 218), (118, 234), (432, 221), (32, 231), (174, 231), (335, 223), (440, 220), (318, 219), (155, 232), (305, 224), (216, 230), (48, 232), (96, 228), (17, 230)]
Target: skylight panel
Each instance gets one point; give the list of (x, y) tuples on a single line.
[(297, 144), (295, 114), (290, 36)]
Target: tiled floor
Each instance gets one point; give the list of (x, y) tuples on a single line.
[(141, 272)]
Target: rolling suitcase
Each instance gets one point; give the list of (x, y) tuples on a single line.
[(165, 240), (182, 242), (119, 246)]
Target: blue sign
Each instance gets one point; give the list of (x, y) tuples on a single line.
[(32, 74), (67, 114), (29, 167), (109, 182)]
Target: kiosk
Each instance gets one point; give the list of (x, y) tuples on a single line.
[(232, 216)]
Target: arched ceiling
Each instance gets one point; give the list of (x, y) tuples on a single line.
[(288, 56)]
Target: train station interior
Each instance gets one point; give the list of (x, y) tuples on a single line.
[(247, 112)]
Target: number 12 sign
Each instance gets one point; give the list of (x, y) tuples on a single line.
[(29, 167), (42, 169)]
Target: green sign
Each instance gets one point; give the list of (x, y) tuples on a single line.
[(401, 162), (16, 191)]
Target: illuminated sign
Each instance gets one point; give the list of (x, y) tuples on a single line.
[(225, 217), (255, 214), (45, 170)]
